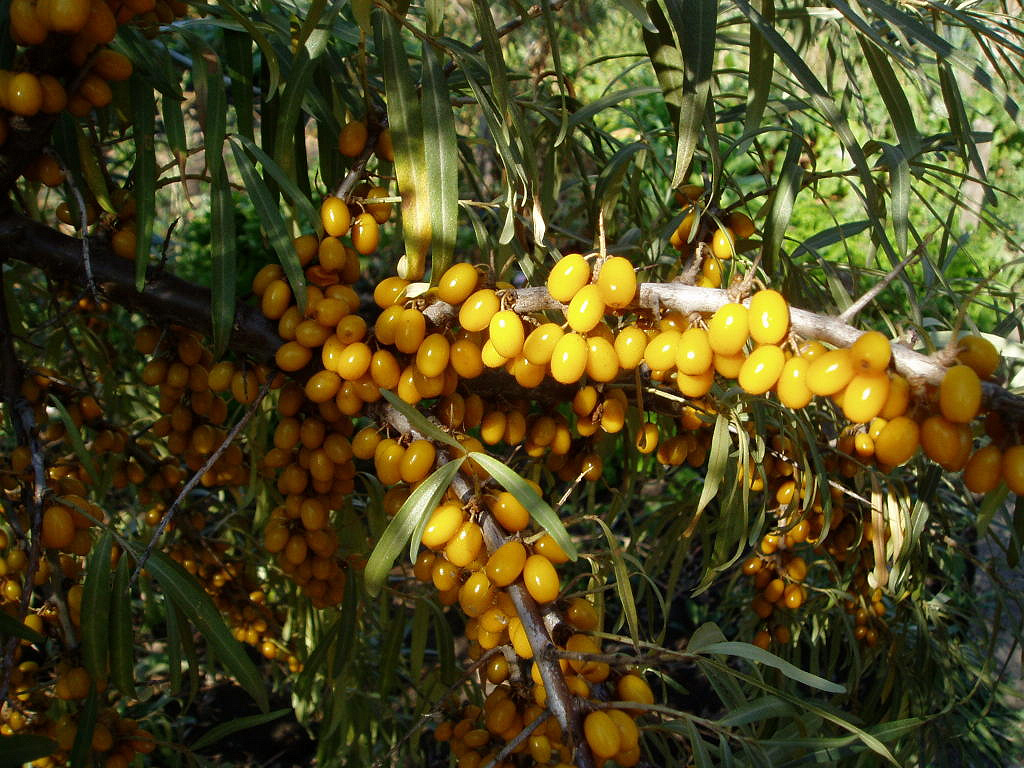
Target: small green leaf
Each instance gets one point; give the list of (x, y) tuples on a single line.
[(416, 509), (701, 756), (418, 421), (539, 509), (312, 665), (406, 125), (72, 434), (174, 129), (223, 246), (218, 732), (791, 176), (757, 709), (290, 110), (238, 58), (143, 108), (992, 503), (211, 101), (122, 651), (893, 95), (298, 200), (96, 608), (622, 586), (391, 648), (497, 70), (442, 163), (197, 606), (721, 443), (760, 68), (19, 749), (11, 627), (753, 653), (269, 214), (82, 747)]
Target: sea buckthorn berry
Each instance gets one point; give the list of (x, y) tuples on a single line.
[(871, 352), (26, 28), (465, 358), (728, 366), (743, 227), (569, 358), (68, 16), (457, 283), (975, 351), (111, 65), (335, 216), (723, 243), (947, 443), (509, 512), (792, 384), (769, 317), (763, 639), (541, 578), (24, 94), (984, 469), (581, 614), (275, 299), (1013, 469), (389, 292), (476, 595), (585, 309), (433, 355), (632, 687), (761, 370), (292, 356), (897, 442), (55, 98), (411, 330), (352, 139), (865, 396), (570, 273), (476, 312), (617, 282), (898, 399), (602, 362), (506, 333), (602, 734), (417, 461), (728, 329), (444, 575), (505, 565), (695, 386), (662, 351), (830, 373), (497, 670), (383, 148), (322, 386), (693, 352), (365, 234), (490, 357), (381, 212), (540, 344), (465, 545), (647, 438), (547, 546), (960, 394), (686, 230), (58, 527), (630, 345)]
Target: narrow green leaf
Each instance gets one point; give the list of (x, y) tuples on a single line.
[(150, 58), (701, 756), (218, 732), (391, 647), (721, 443), (312, 666), (299, 201), (497, 70), (11, 627), (174, 131), (269, 214), (539, 509), (666, 58), (211, 101), (122, 651), (255, 33), (197, 606), (418, 421), (406, 125), (71, 433), (638, 12), (753, 653), (96, 608), (143, 108), (899, 173), (609, 181), (82, 747), (787, 187), (622, 586), (442, 163), (238, 58), (223, 245), (19, 749), (418, 638), (416, 509), (893, 96), (694, 27), (175, 630), (95, 180), (289, 112), (760, 69), (992, 503), (757, 709)]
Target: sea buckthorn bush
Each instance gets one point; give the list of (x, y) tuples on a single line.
[(481, 385)]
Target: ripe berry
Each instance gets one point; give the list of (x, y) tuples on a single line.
[(727, 329), (617, 282), (24, 94), (352, 139), (477, 311), (1013, 469), (585, 309), (630, 346), (830, 372), (602, 734), (871, 352), (865, 396), (761, 370), (723, 244), (662, 351), (506, 333), (465, 545), (984, 469), (569, 274), (457, 283), (975, 351), (335, 216), (693, 352), (897, 442), (960, 394), (569, 358), (792, 384), (365, 234), (540, 578), (769, 317), (507, 562)]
